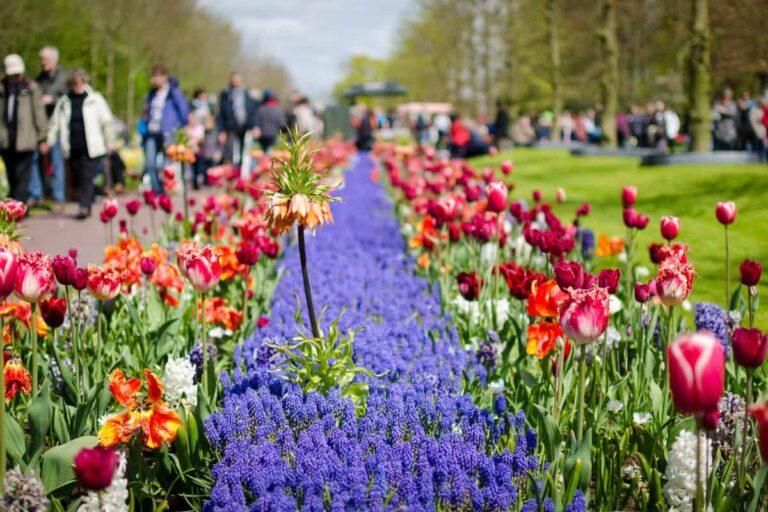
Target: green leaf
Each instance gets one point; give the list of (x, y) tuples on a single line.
[(58, 469), (39, 418), (14, 438), (757, 486), (579, 462), (549, 431)]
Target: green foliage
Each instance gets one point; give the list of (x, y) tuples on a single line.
[(297, 174)]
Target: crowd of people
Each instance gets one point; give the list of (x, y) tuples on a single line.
[(56, 130)]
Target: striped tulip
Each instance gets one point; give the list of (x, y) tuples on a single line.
[(696, 372)]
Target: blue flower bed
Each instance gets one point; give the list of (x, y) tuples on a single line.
[(420, 445)]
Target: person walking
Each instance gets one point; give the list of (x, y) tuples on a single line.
[(165, 111), (53, 84), (271, 120), (238, 113), (23, 125), (82, 124)]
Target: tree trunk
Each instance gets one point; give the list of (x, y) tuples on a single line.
[(110, 83), (554, 57), (609, 82), (699, 76)]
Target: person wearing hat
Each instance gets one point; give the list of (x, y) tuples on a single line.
[(23, 125), (82, 124)]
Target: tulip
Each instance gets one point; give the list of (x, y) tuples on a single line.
[(63, 269), (674, 281), (536, 196), (104, 282), (35, 277), (469, 285), (751, 272), (628, 196), (73, 254), (725, 212), (95, 467), (9, 270), (609, 279), (569, 275), (148, 265), (560, 195), (584, 317), (749, 347), (53, 311), (150, 199), (710, 420), (200, 266), (110, 208), (497, 197), (583, 210), (104, 217), (165, 204), (506, 166), (670, 227), (123, 226), (80, 279), (247, 254), (655, 253), (13, 210), (445, 210), (133, 206), (643, 292), (760, 413), (262, 322), (696, 372)]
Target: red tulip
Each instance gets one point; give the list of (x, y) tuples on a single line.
[(725, 212), (73, 254), (497, 197), (654, 252), (53, 311), (35, 277), (262, 322), (696, 372), (670, 227), (569, 274), (165, 204), (750, 272), (628, 196), (674, 281), (123, 226), (749, 347), (506, 166), (247, 254), (643, 292), (148, 265), (584, 317), (95, 467), (9, 270), (104, 282), (80, 279), (583, 210), (63, 269), (760, 413), (469, 285), (609, 279), (445, 209), (536, 196), (150, 199), (103, 216), (133, 206), (110, 208), (454, 232), (710, 420), (12, 209), (200, 265)]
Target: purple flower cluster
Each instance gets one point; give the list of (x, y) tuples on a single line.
[(711, 317), (419, 445)]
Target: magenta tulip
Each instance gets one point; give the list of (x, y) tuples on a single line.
[(497, 196), (749, 347), (628, 196), (506, 166), (750, 272), (696, 372), (670, 227), (725, 212), (584, 317), (9, 270), (95, 467), (35, 279)]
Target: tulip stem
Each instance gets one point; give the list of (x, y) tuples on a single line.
[(749, 308), (580, 416), (727, 273), (2, 412), (699, 501), (307, 289), (205, 335), (33, 332), (73, 341), (745, 421)]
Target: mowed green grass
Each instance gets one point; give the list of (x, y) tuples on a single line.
[(689, 192)]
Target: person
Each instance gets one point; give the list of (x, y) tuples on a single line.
[(759, 126), (238, 113), (303, 117), (657, 126), (501, 124), (566, 126), (623, 132), (82, 124), (441, 123), (271, 120), (638, 126), (208, 155), (671, 128), (746, 135), (195, 133), (165, 112), (459, 137), (53, 84), (523, 133), (200, 105), (23, 125), (724, 115), (364, 125)]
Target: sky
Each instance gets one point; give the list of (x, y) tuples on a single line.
[(313, 38)]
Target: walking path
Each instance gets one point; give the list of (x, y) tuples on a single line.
[(419, 442)]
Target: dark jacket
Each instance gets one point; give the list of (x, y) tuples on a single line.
[(271, 119), (31, 122), (175, 110), (53, 85), (226, 119)]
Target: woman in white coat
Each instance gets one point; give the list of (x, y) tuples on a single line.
[(82, 122)]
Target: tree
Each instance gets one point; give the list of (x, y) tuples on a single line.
[(609, 81), (554, 59), (699, 76)]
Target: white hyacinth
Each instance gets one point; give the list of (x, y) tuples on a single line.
[(112, 499), (680, 489), (179, 381), (488, 253)]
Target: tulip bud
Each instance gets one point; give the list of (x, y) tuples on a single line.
[(133, 206), (750, 272), (63, 267), (104, 217), (110, 208), (749, 347), (179, 217), (53, 311), (123, 226), (642, 292), (73, 254), (670, 227), (80, 279), (262, 322), (629, 216), (583, 210), (497, 197), (641, 221), (150, 199), (628, 196), (148, 265), (95, 467), (609, 279), (9, 270), (536, 196), (725, 212), (165, 204), (696, 372)]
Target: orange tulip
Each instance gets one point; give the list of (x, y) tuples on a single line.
[(17, 379), (609, 246), (545, 299), (542, 337)]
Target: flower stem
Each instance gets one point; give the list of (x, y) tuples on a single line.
[(2, 412), (580, 416), (747, 398), (699, 501), (749, 308), (33, 332), (307, 288), (204, 334), (727, 272)]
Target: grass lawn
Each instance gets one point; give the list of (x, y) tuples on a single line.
[(689, 192)]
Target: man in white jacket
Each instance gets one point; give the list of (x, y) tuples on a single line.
[(82, 122)]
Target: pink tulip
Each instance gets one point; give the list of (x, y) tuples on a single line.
[(200, 266), (506, 166), (148, 265), (104, 282), (497, 197), (670, 227), (628, 196), (35, 279), (608, 278), (674, 281), (725, 212), (9, 270), (445, 209), (12, 209), (584, 316), (696, 372), (110, 208), (749, 347), (760, 413), (63, 269), (165, 204), (536, 196), (643, 292)]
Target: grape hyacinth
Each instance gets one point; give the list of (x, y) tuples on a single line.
[(711, 317), (419, 445)]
